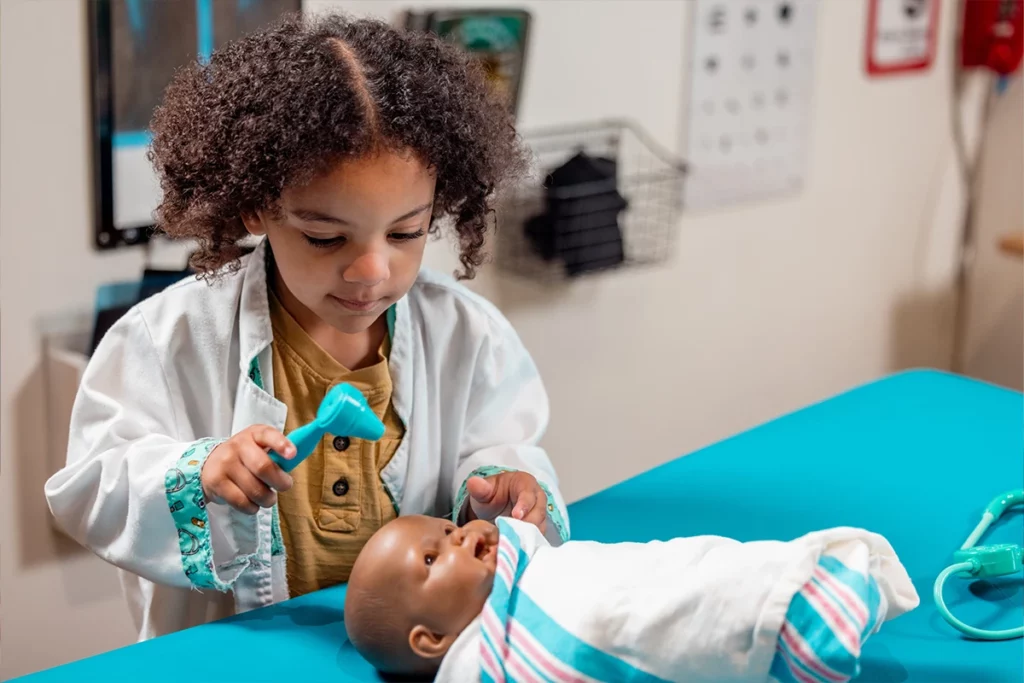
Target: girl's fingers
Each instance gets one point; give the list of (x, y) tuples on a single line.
[(538, 513), (525, 504), (259, 464), (268, 437), (231, 494), (254, 489)]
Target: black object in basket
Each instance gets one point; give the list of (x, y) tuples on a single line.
[(581, 224), (604, 196)]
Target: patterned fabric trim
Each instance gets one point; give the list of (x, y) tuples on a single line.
[(188, 510)]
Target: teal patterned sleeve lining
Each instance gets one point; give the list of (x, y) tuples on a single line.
[(188, 510), (276, 540), (554, 514)]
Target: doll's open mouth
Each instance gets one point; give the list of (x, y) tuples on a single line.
[(486, 553)]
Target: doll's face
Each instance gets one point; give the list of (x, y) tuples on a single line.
[(424, 580)]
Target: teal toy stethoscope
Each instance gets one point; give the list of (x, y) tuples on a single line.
[(343, 412), (973, 561)]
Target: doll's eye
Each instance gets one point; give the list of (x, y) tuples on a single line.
[(448, 531), (428, 560)]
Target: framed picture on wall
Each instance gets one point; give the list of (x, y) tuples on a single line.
[(135, 47), (496, 37)]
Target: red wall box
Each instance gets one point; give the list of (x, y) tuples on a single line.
[(878, 10)]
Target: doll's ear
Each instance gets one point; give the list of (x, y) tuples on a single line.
[(427, 644)]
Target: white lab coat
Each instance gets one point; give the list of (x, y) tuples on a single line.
[(175, 376)]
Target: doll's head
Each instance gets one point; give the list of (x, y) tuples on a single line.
[(416, 585)]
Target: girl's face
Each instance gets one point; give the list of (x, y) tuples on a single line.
[(350, 243)]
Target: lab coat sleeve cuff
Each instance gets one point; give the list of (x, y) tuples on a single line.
[(557, 531), (188, 510)]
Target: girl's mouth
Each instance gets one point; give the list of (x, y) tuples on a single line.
[(357, 306)]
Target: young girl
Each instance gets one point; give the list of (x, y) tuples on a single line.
[(341, 144)]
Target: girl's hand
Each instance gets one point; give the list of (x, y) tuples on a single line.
[(239, 472), (508, 494)]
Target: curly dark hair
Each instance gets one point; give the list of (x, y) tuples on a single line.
[(284, 104)]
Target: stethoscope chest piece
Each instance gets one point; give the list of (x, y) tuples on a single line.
[(991, 560), (981, 562)]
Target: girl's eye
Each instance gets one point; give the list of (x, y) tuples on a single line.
[(449, 530), (428, 560), (323, 243), (406, 236)]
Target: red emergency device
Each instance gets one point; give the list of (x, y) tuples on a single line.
[(993, 35)]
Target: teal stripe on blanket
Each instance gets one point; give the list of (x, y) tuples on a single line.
[(548, 645), (572, 651), (810, 649)]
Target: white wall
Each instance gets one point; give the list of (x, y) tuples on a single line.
[(47, 267), (764, 308), (995, 313)]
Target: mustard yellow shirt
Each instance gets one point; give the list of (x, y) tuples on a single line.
[(338, 499)]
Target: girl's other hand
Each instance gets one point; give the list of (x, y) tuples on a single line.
[(508, 494)]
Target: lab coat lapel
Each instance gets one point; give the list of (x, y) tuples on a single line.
[(400, 367), (255, 404)]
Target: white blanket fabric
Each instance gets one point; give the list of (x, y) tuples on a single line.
[(693, 609)]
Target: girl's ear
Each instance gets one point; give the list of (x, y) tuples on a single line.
[(253, 223), (429, 645)]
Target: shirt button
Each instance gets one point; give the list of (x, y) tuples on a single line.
[(340, 487), (341, 443)]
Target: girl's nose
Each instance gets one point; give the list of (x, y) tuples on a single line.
[(369, 269)]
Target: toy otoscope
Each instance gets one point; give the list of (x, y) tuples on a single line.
[(973, 561), (343, 412)]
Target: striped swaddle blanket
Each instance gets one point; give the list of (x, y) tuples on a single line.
[(697, 609), (829, 619)]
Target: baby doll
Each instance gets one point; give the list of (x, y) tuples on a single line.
[(488, 602)]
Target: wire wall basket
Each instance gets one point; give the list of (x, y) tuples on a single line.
[(602, 196)]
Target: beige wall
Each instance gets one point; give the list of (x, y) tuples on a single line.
[(764, 308), (46, 266), (995, 312)]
